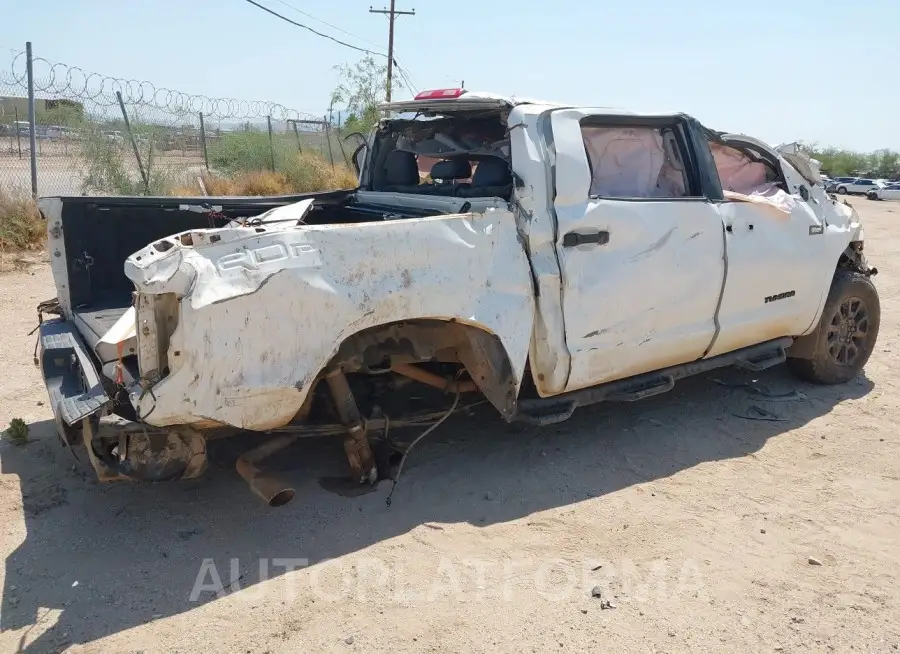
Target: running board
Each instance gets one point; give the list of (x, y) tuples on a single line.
[(552, 410)]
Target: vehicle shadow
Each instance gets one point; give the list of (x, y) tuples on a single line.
[(111, 557)]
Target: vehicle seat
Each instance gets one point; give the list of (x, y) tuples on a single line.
[(450, 172), (492, 178), (401, 172)]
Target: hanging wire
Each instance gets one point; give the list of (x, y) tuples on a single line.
[(409, 449), (316, 32), (404, 75), (324, 22)]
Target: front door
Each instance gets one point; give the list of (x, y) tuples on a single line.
[(640, 248), (778, 270)]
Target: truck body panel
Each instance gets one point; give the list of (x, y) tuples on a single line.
[(551, 256), (263, 313)]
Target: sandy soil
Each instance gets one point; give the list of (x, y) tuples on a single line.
[(696, 524)]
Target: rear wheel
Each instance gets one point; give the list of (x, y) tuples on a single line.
[(846, 334)]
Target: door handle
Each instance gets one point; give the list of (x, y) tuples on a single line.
[(573, 239)]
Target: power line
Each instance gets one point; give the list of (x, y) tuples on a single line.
[(392, 61), (406, 78), (316, 32), (324, 22)]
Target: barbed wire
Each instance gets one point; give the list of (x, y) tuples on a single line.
[(72, 82)]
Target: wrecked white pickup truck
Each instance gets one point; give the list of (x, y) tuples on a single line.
[(539, 257)]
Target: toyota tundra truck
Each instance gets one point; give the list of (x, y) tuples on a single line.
[(532, 256)]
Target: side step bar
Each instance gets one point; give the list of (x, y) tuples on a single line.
[(551, 410)]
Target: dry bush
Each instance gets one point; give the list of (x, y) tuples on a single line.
[(219, 185), (21, 225), (301, 173), (262, 183), (308, 173)]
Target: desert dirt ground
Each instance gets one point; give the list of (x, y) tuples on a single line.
[(697, 526)]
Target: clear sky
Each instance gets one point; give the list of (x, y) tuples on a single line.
[(817, 70)]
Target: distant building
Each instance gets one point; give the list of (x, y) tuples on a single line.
[(10, 106)]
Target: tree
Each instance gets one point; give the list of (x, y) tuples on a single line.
[(885, 163), (361, 89), (838, 161)]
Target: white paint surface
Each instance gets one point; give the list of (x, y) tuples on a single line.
[(646, 299), (123, 334), (264, 312)]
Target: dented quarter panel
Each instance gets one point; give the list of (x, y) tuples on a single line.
[(549, 356), (263, 312)]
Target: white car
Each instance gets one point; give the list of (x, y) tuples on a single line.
[(555, 257), (860, 186), (886, 192)]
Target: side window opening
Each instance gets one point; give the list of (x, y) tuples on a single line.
[(746, 176), (635, 162), (741, 173)]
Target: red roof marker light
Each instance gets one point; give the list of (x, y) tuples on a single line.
[(440, 94)]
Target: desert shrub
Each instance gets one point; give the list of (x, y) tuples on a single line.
[(21, 225)]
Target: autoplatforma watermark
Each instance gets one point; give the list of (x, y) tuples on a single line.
[(361, 578)]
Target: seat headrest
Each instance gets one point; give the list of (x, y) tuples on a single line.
[(492, 171), (401, 169), (451, 169)]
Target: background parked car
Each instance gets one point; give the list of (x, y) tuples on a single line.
[(832, 187), (856, 187), (886, 192)]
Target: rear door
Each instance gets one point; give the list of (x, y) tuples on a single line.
[(640, 245)]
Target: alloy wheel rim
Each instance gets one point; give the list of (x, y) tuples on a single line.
[(848, 331)]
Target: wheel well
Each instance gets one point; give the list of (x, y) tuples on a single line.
[(853, 259), (477, 349)]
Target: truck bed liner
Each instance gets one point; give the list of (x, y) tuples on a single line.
[(94, 321)]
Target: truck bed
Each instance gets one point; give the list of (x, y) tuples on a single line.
[(98, 234), (95, 320)]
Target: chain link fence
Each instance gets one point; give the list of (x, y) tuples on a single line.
[(100, 135)]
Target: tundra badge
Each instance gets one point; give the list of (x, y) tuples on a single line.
[(779, 296)]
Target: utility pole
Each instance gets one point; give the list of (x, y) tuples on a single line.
[(391, 14)]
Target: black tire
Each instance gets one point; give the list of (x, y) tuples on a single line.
[(872, 195), (842, 190), (846, 333)]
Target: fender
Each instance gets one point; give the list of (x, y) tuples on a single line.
[(852, 259), (843, 239)]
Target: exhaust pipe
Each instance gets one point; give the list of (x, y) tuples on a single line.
[(272, 490)]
